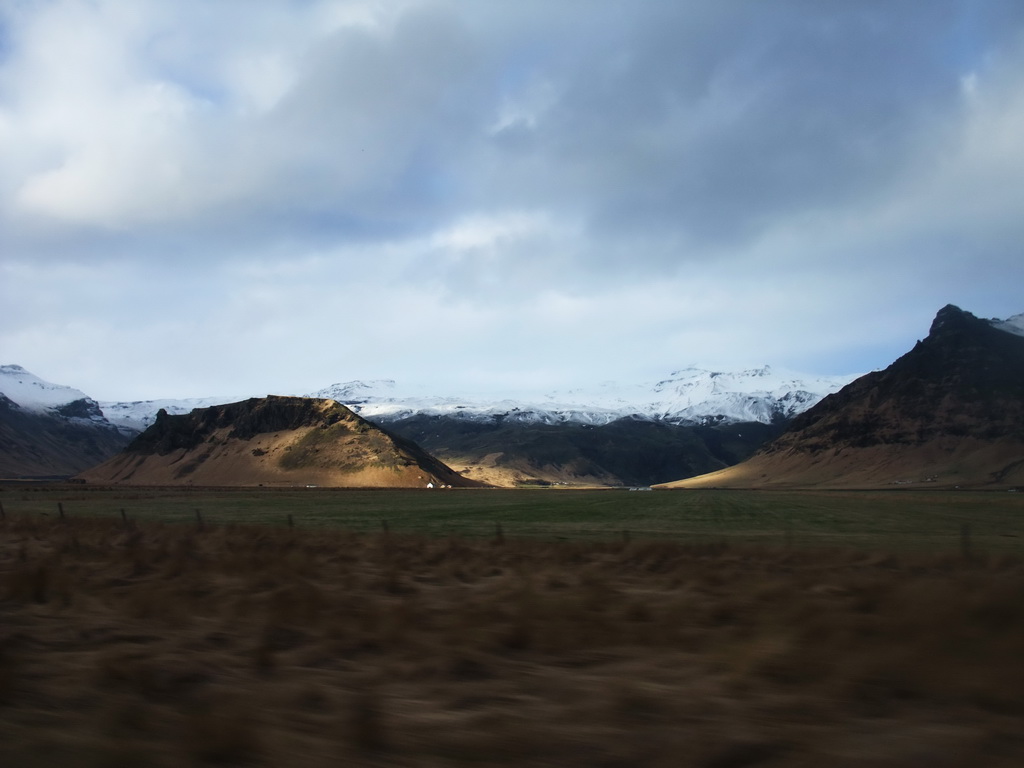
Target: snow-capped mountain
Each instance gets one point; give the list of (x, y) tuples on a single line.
[(688, 396), (383, 401), (34, 395), (948, 412), (696, 396), (137, 415), (50, 430), (1014, 325)]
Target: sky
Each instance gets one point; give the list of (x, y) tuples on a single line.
[(235, 197)]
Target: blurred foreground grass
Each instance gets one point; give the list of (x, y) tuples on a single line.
[(155, 645)]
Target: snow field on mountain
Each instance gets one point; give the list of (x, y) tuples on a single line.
[(32, 393), (688, 396)]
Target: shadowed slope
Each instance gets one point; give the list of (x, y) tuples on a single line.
[(622, 452), (52, 444)]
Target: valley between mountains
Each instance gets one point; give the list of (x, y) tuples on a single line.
[(950, 412)]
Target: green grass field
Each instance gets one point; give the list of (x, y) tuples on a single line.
[(884, 520)]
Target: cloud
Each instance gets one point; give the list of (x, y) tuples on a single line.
[(122, 128), (715, 125), (698, 123), (526, 185)]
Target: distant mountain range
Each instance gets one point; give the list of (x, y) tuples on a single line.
[(957, 393), (691, 396), (693, 421), (135, 416), (950, 412)]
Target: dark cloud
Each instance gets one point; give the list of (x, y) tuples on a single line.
[(717, 123)]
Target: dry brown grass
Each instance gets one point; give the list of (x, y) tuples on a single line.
[(157, 645)]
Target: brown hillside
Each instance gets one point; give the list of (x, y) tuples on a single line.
[(949, 412), (272, 441)]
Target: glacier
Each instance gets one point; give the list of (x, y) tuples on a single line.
[(689, 396)]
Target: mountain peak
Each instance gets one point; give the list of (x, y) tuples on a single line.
[(957, 325), (949, 411), (355, 392), (31, 393), (273, 441), (951, 318)]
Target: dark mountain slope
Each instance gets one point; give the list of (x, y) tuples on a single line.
[(624, 452), (57, 444), (950, 411)]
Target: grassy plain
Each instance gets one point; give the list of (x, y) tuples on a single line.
[(904, 520)]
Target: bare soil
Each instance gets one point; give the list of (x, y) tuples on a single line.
[(166, 645)]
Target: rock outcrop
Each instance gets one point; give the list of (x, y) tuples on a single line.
[(272, 441)]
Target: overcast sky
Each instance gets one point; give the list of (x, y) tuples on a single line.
[(236, 197)]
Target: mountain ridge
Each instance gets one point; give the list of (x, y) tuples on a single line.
[(272, 441), (735, 409), (525, 437), (691, 396), (950, 411)]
